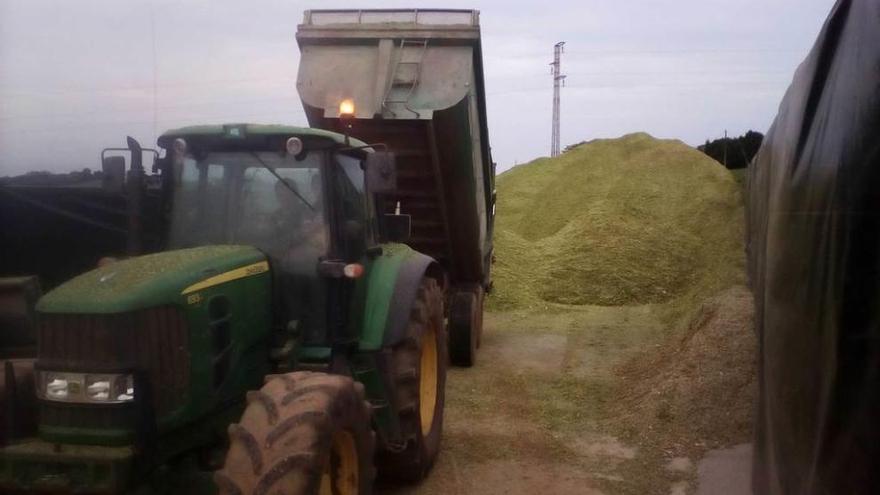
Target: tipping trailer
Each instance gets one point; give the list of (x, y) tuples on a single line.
[(413, 80)]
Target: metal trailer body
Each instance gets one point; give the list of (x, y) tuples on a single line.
[(415, 78)]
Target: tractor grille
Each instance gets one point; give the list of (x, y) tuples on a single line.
[(87, 416), (153, 341)]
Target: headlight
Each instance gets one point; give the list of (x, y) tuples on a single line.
[(85, 387)]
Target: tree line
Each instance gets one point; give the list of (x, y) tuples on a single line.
[(734, 152)]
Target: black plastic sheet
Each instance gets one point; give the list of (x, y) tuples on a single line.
[(813, 216)]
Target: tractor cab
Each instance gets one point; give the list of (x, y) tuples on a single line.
[(269, 188), (298, 195)]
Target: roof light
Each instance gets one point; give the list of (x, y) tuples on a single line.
[(294, 146), (346, 108), (234, 130), (179, 146)]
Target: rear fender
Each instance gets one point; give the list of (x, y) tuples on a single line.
[(392, 282)]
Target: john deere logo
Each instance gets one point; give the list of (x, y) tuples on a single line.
[(238, 273)]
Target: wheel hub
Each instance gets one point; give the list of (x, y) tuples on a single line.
[(428, 380), (340, 474)]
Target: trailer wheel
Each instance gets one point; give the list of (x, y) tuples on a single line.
[(419, 365), (481, 300), (303, 433), (465, 326)]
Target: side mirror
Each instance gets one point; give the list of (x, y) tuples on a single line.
[(381, 172), (113, 177), (396, 227), (112, 164)]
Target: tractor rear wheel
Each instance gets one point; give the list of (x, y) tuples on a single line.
[(303, 433), (465, 326), (419, 365)]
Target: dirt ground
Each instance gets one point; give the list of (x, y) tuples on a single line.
[(541, 412)]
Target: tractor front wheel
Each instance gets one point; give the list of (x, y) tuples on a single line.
[(303, 433), (419, 365)]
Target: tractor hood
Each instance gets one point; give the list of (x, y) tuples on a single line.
[(152, 280)]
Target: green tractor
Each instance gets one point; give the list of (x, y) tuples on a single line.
[(291, 335), (288, 341)]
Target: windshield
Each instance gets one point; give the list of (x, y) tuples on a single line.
[(232, 197)]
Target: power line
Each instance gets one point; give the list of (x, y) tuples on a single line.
[(558, 79), (286, 115), (651, 84), (30, 91), (182, 105), (600, 51), (4, 116), (154, 85), (155, 73), (148, 87), (60, 91), (186, 104)]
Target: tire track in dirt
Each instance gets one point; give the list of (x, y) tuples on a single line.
[(528, 418)]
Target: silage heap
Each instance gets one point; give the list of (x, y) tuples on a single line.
[(633, 220)]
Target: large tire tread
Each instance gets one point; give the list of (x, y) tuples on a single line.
[(285, 435), (420, 451)]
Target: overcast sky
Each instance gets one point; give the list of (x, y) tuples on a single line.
[(76, 77)]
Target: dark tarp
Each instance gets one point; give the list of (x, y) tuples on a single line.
[(814, 264)]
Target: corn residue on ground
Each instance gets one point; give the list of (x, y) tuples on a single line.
[(617, 347)]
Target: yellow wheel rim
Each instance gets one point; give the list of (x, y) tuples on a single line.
[(428, 380), (340, 473)]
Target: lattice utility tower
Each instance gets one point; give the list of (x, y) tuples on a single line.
[(557, 79)]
